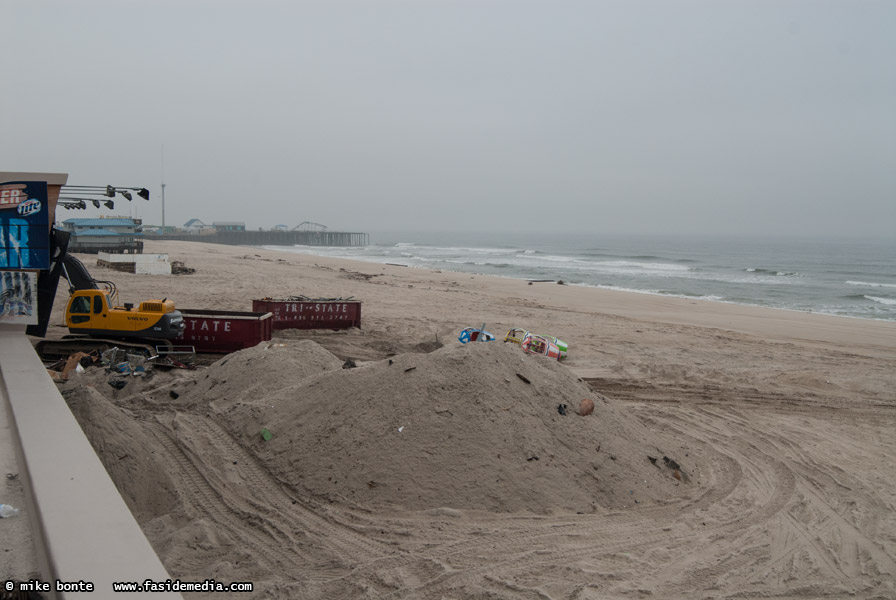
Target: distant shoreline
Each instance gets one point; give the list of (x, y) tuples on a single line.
[(708, 297)]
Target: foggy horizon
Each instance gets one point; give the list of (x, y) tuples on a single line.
[(752, 118)]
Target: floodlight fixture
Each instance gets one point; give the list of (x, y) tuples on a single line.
[(142, 192), (108, 190), (76, 202), (73, 204)]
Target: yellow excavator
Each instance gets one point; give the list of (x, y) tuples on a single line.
[(95, 319)]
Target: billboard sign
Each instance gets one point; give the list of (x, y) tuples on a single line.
[(24, 225)]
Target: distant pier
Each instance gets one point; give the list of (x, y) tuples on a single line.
[(272, 238)]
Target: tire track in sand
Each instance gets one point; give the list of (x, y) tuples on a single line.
[(281, 509)]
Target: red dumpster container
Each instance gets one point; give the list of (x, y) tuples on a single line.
[(224, 330), (291, 313)]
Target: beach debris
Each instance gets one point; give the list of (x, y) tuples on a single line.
[(677, 472), (400, 429), (409, 369), (671, 463), (167, 362), (112, 356), (560, 282), (543, 345), (174, 395), (356, 274), (471, 334), (561, 408), (349, 364), (179, 268), (12, 476), (372, 484), (531, 458), (586, 407), (523, 377), (118, 383), (518, 335), (7, 511), (76, 362), (266, 435)]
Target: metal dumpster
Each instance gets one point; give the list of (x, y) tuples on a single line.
[(307, 313), (224, 330)]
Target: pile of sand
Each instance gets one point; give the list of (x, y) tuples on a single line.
[(260, 371), (124, 442), (466, 427), (470, 427)]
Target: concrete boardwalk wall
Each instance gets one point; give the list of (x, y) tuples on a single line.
[(82, 529)]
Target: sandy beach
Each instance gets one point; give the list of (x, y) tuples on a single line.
[(733, 452)]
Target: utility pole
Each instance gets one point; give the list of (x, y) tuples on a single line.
[(163, 189)]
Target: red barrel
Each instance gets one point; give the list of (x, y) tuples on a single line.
[(224, 330), (311, 314)]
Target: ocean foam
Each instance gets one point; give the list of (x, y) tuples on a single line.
[(886, 301), (871, 284)]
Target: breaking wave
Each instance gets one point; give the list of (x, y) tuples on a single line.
[(871, 284), (774, 272)]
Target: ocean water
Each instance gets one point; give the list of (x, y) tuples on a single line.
[(853, 278)]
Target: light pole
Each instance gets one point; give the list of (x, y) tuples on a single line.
[(163, 209)]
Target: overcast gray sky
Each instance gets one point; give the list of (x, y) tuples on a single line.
[(655, 116)]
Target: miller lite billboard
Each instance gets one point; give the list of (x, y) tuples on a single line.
[(24, 225)]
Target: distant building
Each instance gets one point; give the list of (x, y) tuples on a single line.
[(229, 226), (113, 235), (281, 228), (197, 226)]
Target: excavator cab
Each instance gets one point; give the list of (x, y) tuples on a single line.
[(79, 310)]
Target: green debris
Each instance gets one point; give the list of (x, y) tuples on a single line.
[(266, 435)]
